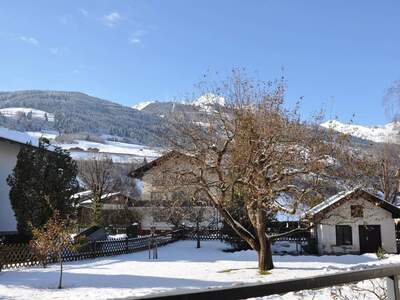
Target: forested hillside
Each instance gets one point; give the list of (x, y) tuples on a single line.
[(77, 112)]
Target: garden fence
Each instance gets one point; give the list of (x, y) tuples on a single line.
[(20, 255)]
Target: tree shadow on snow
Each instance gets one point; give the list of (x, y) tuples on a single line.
[(336, 259), (49, 280)]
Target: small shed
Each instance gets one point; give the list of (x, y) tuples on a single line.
[(93, 233), (356, 222)]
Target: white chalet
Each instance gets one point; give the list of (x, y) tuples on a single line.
[(10, 143), (354, 221)]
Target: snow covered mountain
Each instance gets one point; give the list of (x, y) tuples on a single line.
[(379, 134), (142, 105), (208, 101), (204, 103)]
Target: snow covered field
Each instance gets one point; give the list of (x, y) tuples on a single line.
[(13, 112), (118, 151), (180, 266)]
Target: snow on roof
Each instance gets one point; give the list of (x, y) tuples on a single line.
[(105, 196), (81, 194), (336, 198), (89, 201), (18, 137), (328, 202), (110, 195)]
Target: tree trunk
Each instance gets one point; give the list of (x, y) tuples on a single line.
[(264, 250), (265, 262), (198, 234), (96, 210), (61, 270), (265, 256)]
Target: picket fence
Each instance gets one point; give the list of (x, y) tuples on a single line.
[(20, 255)]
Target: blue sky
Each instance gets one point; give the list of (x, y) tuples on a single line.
[(339, 55)]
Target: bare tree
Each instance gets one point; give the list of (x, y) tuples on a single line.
[(368, 289), (375, 167), (388, 158), (97, 174), (256, 147), (387, 166), (184, 208), (51, 240)]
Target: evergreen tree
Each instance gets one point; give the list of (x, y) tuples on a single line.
[(41, 182)]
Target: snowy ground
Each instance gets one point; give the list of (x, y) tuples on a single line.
[(118, 151), (180, 266)]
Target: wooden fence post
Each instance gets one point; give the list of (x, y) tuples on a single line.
[(393, 290), (94, 249)]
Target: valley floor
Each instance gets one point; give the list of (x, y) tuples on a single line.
[(180, 266)]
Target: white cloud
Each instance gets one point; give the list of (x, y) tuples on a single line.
[(63, 20), (135, 41), (84, 12), (112, 19), (54, 51), (29, 40), (136, 37), (59, 50)]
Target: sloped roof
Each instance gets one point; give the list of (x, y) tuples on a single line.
[(139, 172), (18, 137), (83, 194), (103, 197), (341, 197)]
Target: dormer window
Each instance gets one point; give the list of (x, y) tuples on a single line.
[(357, 211)]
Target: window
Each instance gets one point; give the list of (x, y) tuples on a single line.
[(343, 235), (156, 196), (357, 211)]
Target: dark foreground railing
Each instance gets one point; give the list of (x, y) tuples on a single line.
[(294, 285)]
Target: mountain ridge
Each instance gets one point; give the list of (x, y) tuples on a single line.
[(71, 112), (388, 133), (78, 112)]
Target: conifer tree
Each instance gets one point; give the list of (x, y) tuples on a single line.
[(41, 182)]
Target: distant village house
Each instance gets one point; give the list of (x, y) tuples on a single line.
[(153, 179)]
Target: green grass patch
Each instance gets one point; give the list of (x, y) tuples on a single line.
[(264, 272), (232, 270)]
